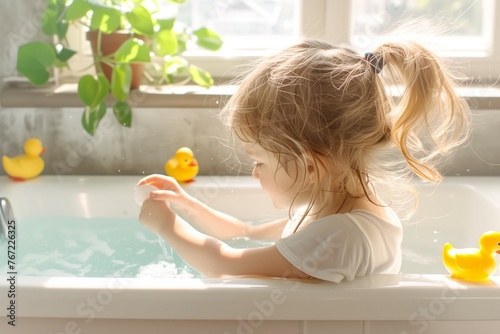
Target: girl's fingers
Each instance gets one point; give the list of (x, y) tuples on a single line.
[(159, 181), (151, 179), (162, 195)]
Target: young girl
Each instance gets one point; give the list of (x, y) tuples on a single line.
[(322, 129)]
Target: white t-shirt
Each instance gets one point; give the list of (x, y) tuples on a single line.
[(344, 246)]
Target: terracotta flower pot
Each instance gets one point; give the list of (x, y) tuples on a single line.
[(109, 44)]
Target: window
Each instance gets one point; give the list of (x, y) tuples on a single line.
[(245, 25), (462, 30), (451, 28), (252, 28)]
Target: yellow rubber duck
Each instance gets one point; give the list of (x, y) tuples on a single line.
[(472, 263), (182, 166), (25, 166)]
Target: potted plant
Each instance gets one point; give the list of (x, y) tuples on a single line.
[(144, 37)]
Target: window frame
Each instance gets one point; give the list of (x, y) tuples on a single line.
[(314, 22), (485, 68)]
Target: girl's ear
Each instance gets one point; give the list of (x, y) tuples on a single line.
[(316, 166)]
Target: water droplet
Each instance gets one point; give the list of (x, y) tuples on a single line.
[(468, 170)]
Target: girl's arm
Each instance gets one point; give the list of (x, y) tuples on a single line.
[(223, 226), (209, 255), (204, 218)]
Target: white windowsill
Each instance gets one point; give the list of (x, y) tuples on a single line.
[(189, 96), (65, 95)]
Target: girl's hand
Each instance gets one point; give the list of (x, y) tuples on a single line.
[(202, 217), (156, 215), (168, 190)]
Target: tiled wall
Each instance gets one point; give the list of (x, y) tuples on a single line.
[(157, 133), (144, 148)]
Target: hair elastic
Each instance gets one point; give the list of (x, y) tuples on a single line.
[(377, 62)]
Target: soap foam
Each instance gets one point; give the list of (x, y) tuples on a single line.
[(163, 269)]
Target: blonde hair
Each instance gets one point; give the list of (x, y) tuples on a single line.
[(330, 104)]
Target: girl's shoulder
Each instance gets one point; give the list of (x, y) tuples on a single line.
[(372, 224), (385, 216), (380, 217), (368, 222)]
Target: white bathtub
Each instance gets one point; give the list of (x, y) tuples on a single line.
[(422, 299)]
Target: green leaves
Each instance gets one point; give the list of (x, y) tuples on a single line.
[(168, 40), (133, 50), (166, 23), (166, 43), (53, 19), (123, 113), (93, 92), (208, 39), (141, 20), (200, 77), (120, 81), (92, 117), (33, 61), (63, 54), (105, 19), (77, 9), (174, 65)]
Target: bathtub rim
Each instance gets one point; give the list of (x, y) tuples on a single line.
[(357, 300), (402, 296)]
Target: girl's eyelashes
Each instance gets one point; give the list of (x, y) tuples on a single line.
[(257, 164)]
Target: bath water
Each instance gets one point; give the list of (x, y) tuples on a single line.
[(94, 247)]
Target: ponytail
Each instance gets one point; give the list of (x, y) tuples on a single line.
[(428, 119)]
